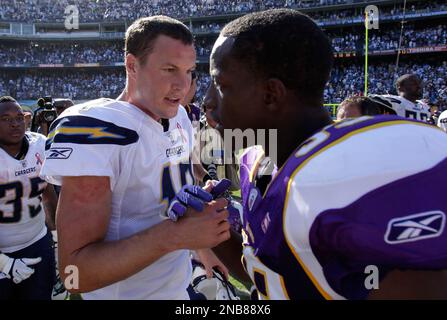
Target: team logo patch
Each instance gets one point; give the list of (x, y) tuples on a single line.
[(252, 198), (59, 153), (415, 227), (172, 137)]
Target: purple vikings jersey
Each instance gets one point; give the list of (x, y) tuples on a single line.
[(361, 192), (193, 112)]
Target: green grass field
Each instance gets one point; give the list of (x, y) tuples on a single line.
[(242, 289), (236, 194)]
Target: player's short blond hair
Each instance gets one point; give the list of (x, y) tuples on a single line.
[(141, 35)]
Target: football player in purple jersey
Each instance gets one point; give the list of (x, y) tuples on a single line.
[(352, 210)]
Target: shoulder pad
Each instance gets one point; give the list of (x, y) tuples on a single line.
[(88, 130)]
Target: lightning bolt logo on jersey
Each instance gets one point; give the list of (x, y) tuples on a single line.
[(22, 219), (365, 191)]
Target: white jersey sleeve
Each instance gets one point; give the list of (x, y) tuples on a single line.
[(407, 109), (396, 103), (442, 121), (87, 140)]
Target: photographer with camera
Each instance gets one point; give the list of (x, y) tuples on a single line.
[(48, 110)]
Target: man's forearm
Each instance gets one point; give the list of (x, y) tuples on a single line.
[(103, 263), (411, 285), (83, 218)]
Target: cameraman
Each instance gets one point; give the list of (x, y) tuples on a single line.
[(47, 112)]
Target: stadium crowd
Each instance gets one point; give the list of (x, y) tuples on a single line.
[(67, 84), (60, 53), (347, 16), (40, 10), (389, 39), (109, 10), (346, 79), (111, 52)]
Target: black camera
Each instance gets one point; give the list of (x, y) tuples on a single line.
[(45, 112), (49, 113)]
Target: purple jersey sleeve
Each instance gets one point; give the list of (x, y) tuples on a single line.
[(193, 112), (248, 161), (392, 227)]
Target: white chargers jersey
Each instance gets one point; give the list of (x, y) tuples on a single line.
[(442, 121), (407, 109), (146, 166), (22, 219)]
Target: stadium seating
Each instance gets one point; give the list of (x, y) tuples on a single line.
[(34, 66)]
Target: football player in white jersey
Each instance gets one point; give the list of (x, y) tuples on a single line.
[(353, 210), (121, 162), (442, 121), (407, 103), (26, 256), (357, 106)]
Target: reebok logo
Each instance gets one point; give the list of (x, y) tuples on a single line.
[(415, 227), (59, 153)]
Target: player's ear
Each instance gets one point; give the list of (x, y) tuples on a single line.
[(131, 65), (274, 93)]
